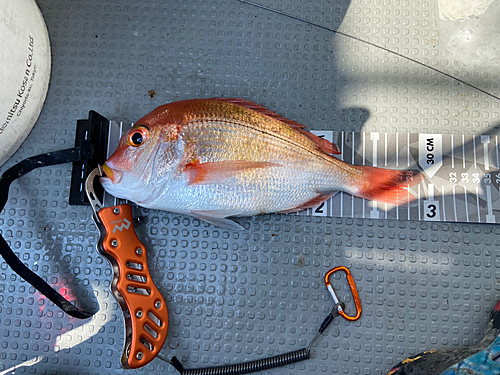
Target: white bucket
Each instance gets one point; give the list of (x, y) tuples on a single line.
[(24, 72)]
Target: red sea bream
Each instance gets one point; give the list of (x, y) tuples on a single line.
[(217, 158)]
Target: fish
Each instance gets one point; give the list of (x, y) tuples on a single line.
[(219, 158)]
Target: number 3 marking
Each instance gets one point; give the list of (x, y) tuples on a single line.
[(432, 210)]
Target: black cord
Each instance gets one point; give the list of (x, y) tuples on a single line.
[(81, 153), (258, 364)]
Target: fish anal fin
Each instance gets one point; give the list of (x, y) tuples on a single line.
[(323, 144), (206, 173), (316, 201), (218, 218)]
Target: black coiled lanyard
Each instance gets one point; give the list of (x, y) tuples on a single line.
[(82, 153), (285, 358)]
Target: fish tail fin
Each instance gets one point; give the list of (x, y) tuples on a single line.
[(386, 185)]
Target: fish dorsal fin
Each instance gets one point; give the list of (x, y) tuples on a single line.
[(258, 108), (323, 144)]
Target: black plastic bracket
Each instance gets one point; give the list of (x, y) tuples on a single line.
[(95, 130)]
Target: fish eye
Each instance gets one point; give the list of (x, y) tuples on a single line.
[(138, 136)]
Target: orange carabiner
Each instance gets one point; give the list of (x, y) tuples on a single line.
[(354, 291)]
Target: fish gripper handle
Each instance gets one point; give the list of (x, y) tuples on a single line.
[(144, 308)]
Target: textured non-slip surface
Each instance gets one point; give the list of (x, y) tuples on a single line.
[(235, 296)]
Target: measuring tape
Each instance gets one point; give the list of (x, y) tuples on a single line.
[(462, 176)]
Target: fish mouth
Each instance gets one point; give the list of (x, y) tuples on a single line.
[(113, 175)]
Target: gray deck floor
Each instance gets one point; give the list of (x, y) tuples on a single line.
[(241, 296)]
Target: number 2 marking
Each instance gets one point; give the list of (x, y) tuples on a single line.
[(319, 209)]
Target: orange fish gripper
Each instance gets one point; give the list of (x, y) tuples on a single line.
[(144, 308)]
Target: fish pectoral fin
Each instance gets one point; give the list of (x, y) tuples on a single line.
[(206, 173), (218, 218), (316, 201)]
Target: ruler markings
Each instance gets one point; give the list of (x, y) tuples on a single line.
[(397, 164), (463, 149), (385, 165), (485, 141), (353, 198), (397, 149), (452, 152), (108, 153), (364, 148), (475, 154), (374, 138), (353, 147), (386, 147), (408, 151), (455, 202), (490, 218), (364, 163), (419, 209), (496, 142), (466, 204), (342, 146), (121, 134), (341, 204), (342, 158), (444, 205), (477, 205)]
